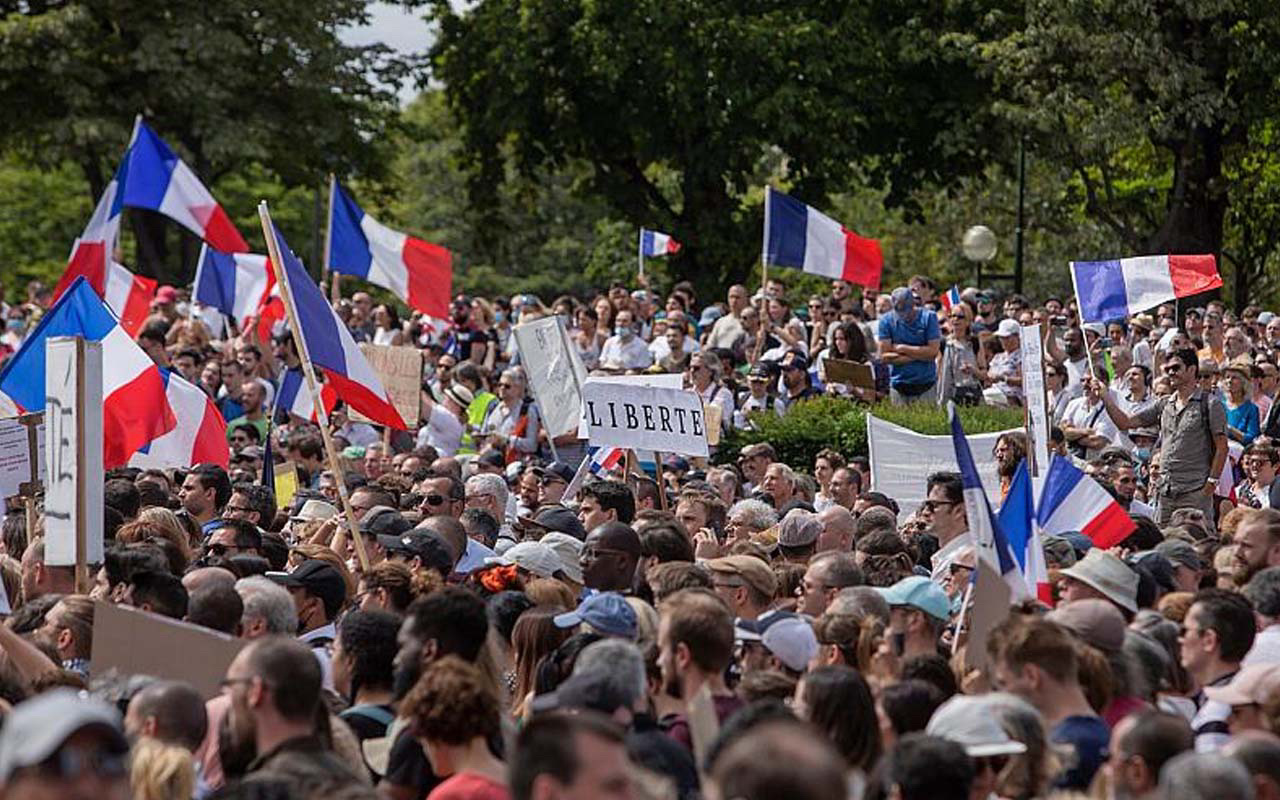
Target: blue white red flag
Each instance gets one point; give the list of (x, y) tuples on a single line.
[(604, 460), (989, 541), (237, 284), (1122, 287), (329, 346), (654, 243), (200, 437), (135, 408), (951, 298), (416, 271), (129, 296), (1017, 519), (802, 237), (1072, 501), (293, 397)]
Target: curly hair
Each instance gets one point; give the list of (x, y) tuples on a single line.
[(369, 639), (400, 584), (451, 705)]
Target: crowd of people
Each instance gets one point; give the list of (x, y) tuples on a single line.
[(738, 628)]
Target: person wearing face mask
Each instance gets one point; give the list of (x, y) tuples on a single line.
[(15, 332), (624, 351)]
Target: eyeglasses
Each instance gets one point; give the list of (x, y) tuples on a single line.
[(1172, 369), (547, 480), (434, 499), (239, 509), (934, 505)]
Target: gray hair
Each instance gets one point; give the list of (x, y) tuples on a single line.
[(489, 484), (860, 602), (1263, 590), (618, 664), (756, 514), (784, 471), (1194, 776), (515, 374), (266, 600)]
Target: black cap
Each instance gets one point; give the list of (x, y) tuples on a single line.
[(560, 519), (317, 577), (559, 469), (492, 458), (384, 521), (429, 548)]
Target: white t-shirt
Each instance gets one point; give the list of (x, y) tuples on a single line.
[(617, 354), (443, 431), (660, 349)]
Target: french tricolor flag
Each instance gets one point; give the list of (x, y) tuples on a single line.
[(329, 346), (605, 459), (802, 237), (951, 298), (653, 244), (129, 296), (1111, 290), (200, 437), (418, 272), (1072, 501), (1017, 518), (237, 284), (293, 398), (135, 407)]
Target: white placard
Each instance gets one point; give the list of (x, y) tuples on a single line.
[(902, 460), (73, 430), (645, 417), (15, 462), (662, 380), (555, 372), (1033, 392)]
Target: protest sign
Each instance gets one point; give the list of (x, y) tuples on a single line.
[(661, 419), (285, 483), (73, 431), (15, 457), (400, 369), (902, 460), (1033, 391), (141, 643), (554, 370), (852, 373)]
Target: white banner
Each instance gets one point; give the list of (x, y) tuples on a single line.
[(1033, 393), (902, 460), (555, 372), (73, 427), (645, 417), (15, 461)]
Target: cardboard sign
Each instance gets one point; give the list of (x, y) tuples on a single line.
[(852, 373), (400, 369), (73, 431), (15, 460), (1033, 391), (140, 643), (902, 459), (666, 420), (554, 370), (286, 483)]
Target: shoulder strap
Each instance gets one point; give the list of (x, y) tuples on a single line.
[(378, 714)]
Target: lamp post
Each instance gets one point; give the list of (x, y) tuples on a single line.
[(979, 245)]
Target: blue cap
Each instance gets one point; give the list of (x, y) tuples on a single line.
[(608, 613), (920, 593), (1078, 541)]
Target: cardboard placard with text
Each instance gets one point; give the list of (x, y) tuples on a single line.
[(400, 370)]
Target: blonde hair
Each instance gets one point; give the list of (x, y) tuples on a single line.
[(167, 522), (160, 771), (550, 592)]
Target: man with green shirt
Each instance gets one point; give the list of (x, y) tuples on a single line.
[(252, 398)]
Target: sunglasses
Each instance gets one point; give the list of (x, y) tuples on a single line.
[(217, 549), (434, 499)]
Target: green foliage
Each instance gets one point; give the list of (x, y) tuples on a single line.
[(41, 214), (842, 424)]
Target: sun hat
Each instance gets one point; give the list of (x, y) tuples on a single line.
[(1107, 574), (970, 722)]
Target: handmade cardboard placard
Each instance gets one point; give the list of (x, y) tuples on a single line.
[(851, 372), (400, 369)]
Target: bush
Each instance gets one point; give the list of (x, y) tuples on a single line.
[(841, 424)]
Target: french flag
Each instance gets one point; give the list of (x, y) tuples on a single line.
[(801, 237), (237, 284), (329, 346), (951, 298), (135, 407), (604, 460), (1072, 501), (1018, 519), (418, 272), (653, 244), (293, 398), (92, 253), (200, 437), (1111, 290), (989, 540), (129, 296)]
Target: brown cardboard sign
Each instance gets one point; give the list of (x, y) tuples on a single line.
[(400, 369), (850, 372)]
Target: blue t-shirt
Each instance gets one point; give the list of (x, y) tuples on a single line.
[(918, 332), (1244, 418), (1089, 739)]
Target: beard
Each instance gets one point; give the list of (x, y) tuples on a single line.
[(237, 743), (673, 687), (404, 679)]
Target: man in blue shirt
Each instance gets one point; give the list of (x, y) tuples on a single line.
[(909, 339)]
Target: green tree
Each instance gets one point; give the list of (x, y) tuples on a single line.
[(228, 84), (721, 95)]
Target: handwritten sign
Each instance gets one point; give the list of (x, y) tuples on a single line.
[(555, 372), (73, 435), (400, 369), (668, 420), (15, 460)]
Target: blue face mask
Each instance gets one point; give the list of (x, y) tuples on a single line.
[(1143, 454), (15, 324), (499, 316), (624, 332)]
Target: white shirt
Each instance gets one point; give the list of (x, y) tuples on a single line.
[(1266, 647), (322, 653), (633, 354), (443, 431), (660, 349), (1079, 414), (359, 434), (1141, 509), (473, 558)]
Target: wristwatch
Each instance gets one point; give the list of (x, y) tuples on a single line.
[(1214, 481)]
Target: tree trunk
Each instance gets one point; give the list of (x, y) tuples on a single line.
[(1197, 203), (149, 232)]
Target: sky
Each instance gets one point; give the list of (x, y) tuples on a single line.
[(396, 27)]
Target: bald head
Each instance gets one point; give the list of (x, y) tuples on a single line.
[(450, 532), (208, 576), (838, 528), (609, 557)]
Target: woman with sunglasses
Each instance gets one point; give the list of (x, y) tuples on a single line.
[(961, 362)]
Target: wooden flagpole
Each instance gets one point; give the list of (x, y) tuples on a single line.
[(282, 277), (335, 292), (1088, 353)]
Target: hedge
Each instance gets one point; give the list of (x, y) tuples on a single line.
[(841, 424)]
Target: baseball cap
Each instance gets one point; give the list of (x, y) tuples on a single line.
[(1109, 575), (36, 728), (1180, 553), (754, 572), (559, 519), (569, 550), (794, 359), (492, 458), (709, 315), (920, 593), (1008, 327), (903, 299), (384, 521), (607, 613), (534, 557), (315, 509), (799, 528), (759, 370), (970, 722), (1255, 683), (427, 547), (1096, 622), (167, 294), (317, 577), (248, 453), (791, 640), (557, 469)]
